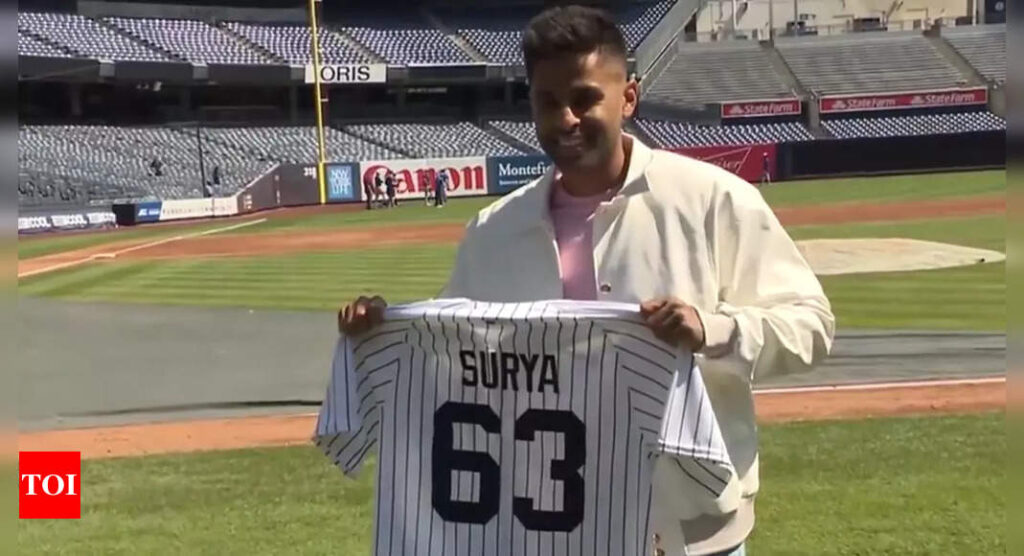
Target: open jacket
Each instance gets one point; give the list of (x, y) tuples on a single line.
[(692, 230)]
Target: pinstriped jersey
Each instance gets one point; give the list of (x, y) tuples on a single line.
[(519, 429)]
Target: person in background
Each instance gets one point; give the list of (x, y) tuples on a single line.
[(389, 186), (368, 191), (426, 187), (766, 175), (378, 191), (441, 188)]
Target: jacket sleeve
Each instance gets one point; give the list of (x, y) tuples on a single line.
[(459, 284), (772, 316)]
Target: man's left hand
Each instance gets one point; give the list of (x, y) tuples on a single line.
[(675, 322)]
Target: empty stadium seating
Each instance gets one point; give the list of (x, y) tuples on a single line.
[(866, 63), (191, 40), (29, 45), (404, 39), (678, 134), (925, 124), (497, 34), (434, 140), (291, 43), (713, 72), (522, 131), (87, 37), (983, 46)]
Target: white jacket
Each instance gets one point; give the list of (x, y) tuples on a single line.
[(689, 229)]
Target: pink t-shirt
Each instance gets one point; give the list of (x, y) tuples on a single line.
[(574, 231)]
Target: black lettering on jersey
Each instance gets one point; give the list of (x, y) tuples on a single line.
[(529, 363), (490, 379), (496, 370), (509, 369), (469, 370), (548, 374)]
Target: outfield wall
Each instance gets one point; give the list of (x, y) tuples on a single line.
[(289, 185)]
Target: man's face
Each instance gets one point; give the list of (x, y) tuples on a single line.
[(578, 104)]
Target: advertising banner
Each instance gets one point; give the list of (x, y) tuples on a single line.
[(508, 173), (761, 108), (297, 185), (342, 183), (180, 209), (903, 101), (467, 176), (348, 73), (746, 161), (148, 212), (65, 220)]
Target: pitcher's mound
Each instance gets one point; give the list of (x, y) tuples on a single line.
[(853, 256)]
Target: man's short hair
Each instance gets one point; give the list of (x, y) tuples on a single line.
[(571, 29)]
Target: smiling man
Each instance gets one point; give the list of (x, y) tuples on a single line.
[(693, 246)]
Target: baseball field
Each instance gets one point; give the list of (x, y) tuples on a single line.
[(893, 468)]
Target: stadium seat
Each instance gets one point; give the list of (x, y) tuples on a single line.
[(404, 39), (434, 140), (923, 124), (984, 46), (195, 41), (677, 134), (88, 37), (867, 63), (291, 43), (713, 72)]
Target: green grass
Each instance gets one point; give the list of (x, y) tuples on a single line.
[(971, 298), (45, 244), (880, 487), (882, 189), (314, 281), (459, 211)]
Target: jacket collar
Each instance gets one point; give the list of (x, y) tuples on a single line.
[(535, 207)]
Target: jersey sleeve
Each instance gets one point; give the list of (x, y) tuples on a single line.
[(346, 427), (693, 466)]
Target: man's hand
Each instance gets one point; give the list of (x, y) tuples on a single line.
[(361, 315), (675, 322)]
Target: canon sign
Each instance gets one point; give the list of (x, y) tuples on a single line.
[(349, 73), (467, 176)]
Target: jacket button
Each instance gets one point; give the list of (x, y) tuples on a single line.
[(606, 288)]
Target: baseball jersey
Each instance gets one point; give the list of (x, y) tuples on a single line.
[(517, 429)]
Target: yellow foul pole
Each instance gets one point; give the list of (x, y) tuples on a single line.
[(318, 99)]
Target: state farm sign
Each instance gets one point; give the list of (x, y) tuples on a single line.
[(903, 101), (761, 108), (467, 176)]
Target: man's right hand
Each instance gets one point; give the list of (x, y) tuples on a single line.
[(361, 315)]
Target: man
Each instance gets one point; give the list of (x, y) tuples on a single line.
[(441, 188), (766, 175), (390, 186), (378, 193), (693, 246)]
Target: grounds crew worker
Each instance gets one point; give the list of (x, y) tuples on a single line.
[(694, 246)]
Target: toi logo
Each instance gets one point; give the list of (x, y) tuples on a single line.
[(49, 485)]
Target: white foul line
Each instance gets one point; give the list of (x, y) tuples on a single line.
[(880, 385), (114, 254)]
